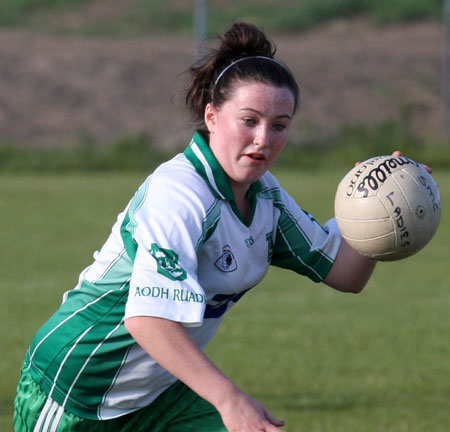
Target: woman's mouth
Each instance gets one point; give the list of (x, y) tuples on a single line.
[(256, 156)]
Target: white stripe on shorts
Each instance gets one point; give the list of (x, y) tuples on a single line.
[(57, 419), (51, 411)]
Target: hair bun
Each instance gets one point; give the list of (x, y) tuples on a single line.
[(243, 40)]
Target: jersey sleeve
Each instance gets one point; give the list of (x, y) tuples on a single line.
[(161, 229), (301, 244)]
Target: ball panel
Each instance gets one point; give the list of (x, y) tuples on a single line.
[(426, 205), (365, 229), (359, 208), (420, 216), (367, 247), (393, 198)]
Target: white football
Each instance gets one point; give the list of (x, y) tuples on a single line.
[(388, 207)]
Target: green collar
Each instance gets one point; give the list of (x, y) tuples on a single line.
[(205, 163)]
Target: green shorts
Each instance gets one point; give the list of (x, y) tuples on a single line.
[(178, 409)]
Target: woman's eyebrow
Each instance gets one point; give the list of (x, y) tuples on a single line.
[(260, 113)]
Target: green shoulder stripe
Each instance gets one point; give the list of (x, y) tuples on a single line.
[(129, 223), (210, 223)]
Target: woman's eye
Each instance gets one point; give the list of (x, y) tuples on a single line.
[(280, 127), (249, 121)]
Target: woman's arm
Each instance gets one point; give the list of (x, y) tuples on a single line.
[(170, 345), (351, 271)]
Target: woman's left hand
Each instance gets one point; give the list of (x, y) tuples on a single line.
[(427, 168), (398, 153)]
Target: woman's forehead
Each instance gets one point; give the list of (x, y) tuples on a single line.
[(259, 92)]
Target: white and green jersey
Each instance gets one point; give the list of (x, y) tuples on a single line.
[(180, 250)]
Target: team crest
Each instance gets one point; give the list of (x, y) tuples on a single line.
[(226, 262), (167, 261)]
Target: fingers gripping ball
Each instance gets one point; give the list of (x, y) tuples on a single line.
[(388, 207)]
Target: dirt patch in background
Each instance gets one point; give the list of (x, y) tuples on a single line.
[(54, 90)]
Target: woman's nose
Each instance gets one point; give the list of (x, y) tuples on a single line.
[(261, 137)]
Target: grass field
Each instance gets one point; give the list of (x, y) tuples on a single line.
[(321, 360)]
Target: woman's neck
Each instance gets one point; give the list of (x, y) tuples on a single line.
[(243, 202)]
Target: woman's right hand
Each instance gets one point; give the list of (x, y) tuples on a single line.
[(169, 344), (241, 413)]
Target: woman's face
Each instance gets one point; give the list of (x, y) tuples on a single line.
[(249, 131)]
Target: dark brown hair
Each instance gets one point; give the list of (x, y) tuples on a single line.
[(240, 41)]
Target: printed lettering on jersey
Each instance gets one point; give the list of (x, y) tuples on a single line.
[(167, 261), (269, 240), (226, 262), (249, 241), (180, 295)]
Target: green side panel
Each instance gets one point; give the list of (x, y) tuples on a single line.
[(80, 349)]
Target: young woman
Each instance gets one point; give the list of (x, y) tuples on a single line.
[(124, 352)]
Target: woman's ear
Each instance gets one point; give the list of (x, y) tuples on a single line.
[(210, 117)]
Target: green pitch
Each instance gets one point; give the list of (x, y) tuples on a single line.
[(320, 360)]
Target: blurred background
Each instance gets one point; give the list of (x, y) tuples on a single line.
[(91, 84), (91, 100)]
